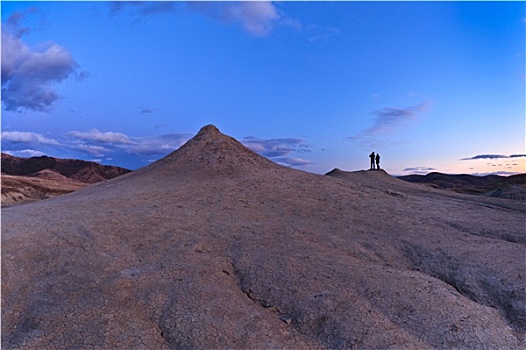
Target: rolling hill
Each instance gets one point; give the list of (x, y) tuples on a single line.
[(511, 187), (30, 179)]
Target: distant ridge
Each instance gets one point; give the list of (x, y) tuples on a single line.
[(510, 187), (31, 179), (80, 170)]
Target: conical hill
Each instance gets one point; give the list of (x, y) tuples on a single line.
[(211, 153)]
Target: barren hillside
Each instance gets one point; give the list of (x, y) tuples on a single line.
[(31, 179), (42, 185), (510, 187), (216, 247)]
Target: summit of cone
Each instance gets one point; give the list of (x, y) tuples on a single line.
[(211, 153)]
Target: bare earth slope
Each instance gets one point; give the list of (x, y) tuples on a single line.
[(44, 184), (215, 247)]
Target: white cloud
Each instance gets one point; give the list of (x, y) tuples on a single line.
[(279, 150), (27, 137), (272, 148), (95, 150), (100, 143), (494, 156), (26, 153), (27, 75), (100, 136), (419, 170), (161, 144), (256, 17), (292, 162)]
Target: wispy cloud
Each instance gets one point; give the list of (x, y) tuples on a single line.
[(27, 137), (275, 147), (28, 75), (318, 33), (95, 150), (25, 153), (279, 150), (499, 173), (94, 143), (143, 8), (419, 170), (388, 120), (145, 110), (494, 156), (101, 143), (100, 136), (292, 162), (157, 145), (256, 17)]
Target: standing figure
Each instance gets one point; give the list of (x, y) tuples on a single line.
[(377, 161), (372, 160)]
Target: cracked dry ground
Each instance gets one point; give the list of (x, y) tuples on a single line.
[(275, 258)]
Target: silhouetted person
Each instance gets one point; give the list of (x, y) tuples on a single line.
[(372, 160), (377, 161)]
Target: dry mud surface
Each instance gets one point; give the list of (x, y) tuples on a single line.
[(215, 247), (23, 189)]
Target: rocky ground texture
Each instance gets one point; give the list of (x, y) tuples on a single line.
[(216, 247)]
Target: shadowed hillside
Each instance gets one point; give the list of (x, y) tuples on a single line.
[(216, 247), (80, 170), (30, 179)]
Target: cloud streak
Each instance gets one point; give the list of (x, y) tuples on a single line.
[(256, 17), (279, 150), (103, 137), (28, 75), (101, 143), (157, 145), (387, 120), (25, 153), (321, 33), (27, 137), (494, 156), (419, 170), (143, 8)]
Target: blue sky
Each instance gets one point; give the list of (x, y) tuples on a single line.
[(431, 86)]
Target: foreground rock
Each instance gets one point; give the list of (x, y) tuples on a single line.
[(216, 247)]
